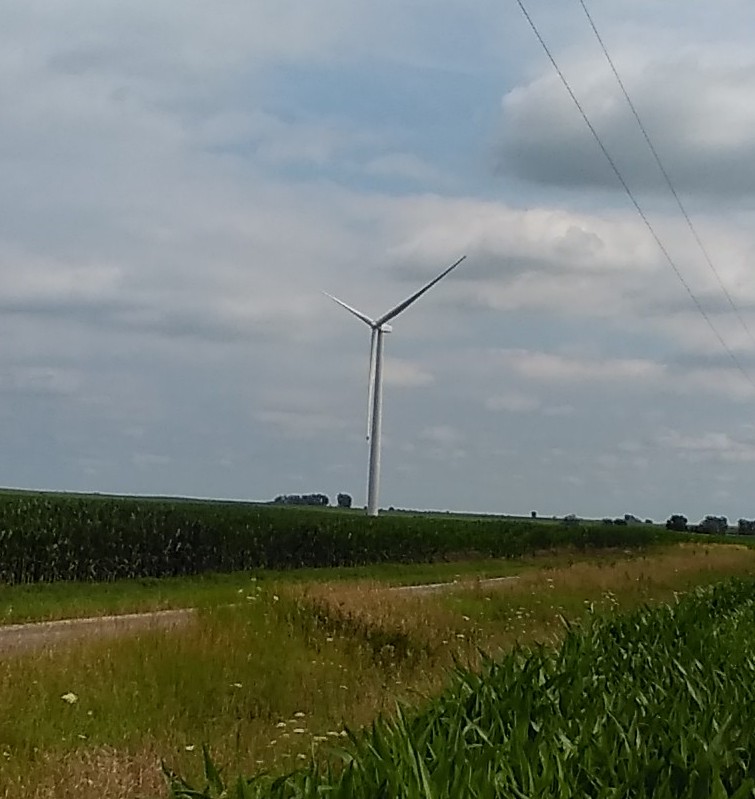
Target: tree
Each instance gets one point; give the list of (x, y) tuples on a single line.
[(344, 500), (746, 527), (320, 500), (678, 523), (715, 525)]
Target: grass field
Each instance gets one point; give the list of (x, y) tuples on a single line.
[(655, 704), (67, 600), (270, 682)]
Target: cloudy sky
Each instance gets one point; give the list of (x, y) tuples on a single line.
[(180, 180)]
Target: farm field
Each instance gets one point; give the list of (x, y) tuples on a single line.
[(55, 539), (271, 682), (657, 703)]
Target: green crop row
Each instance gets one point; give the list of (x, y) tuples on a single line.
[(49, 538), (658, 703)]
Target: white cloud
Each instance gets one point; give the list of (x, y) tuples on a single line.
[(570, 372), (512, 402), (573, 264), (726, 383), (696, 108), (608, 461), (402, 165), (40, 380), (519, 402), (180, 183), (560, 368), (559, 410), (523, 240), (150, 460), (276, 141), (708, 446), (444, 435), (405, 374), (443, 443), (301, 424)]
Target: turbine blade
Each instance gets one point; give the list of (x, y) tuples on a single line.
[(358, 314), (371, 382), (402, 306)]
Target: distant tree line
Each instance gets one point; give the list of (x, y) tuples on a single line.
[(319, 500), (627, 520), (572, 520), (316, 500), (713, 525), (710, 525)]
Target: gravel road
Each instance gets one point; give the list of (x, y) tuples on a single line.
[(41, 635), (38, 635)]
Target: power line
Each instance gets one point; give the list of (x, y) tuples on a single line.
[(735, 360), (665, 174)]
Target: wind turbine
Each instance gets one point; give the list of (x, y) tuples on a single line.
[(379, 327)]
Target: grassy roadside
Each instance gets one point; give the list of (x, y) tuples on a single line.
[(640, 705), (49, 601), (493, 617), (270, 682), (64, 600)]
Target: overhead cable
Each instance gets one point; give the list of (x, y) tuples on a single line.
[(698, 305), (665, 174)]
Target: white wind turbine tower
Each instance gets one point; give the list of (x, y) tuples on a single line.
[(379, 327)]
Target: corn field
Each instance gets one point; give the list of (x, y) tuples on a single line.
[(48, 538), (658, 703)]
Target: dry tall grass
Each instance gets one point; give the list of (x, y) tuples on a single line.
[(98, 773), (494, 616), (268, 684)]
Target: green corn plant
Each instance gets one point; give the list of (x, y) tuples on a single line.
[(49, 538), (656, 704)]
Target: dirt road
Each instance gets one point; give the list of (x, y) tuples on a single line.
[(24, 637), (40, 635)]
